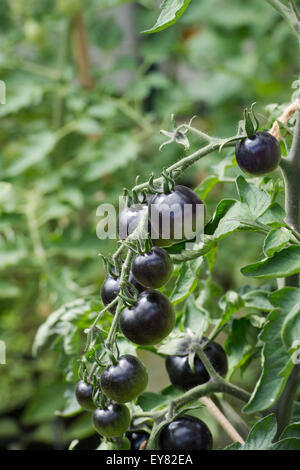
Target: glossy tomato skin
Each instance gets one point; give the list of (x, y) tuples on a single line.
[(137, 438), (125, 380), (182, 376), (174, 216), (112, 421), (129, 219), (111, 288), (84, 395), (186, 433), (152, 269), (258, 155), (150, 320)]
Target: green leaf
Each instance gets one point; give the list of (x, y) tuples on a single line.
[(274, 216), (291, 330), (230, 303), (71, 406), (283, 263), (113, 154), (199, 249), (204, 188), (44, 403), (276, 366), (195, 318), (187, 280), (291, 431), (177, 343), (262, 434), (62, 323), (240, 343), (276, 240), (258, 299), (171, 10), (257, 200), (287, 444), (38, 147)]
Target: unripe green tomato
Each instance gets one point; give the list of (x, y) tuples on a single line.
[(69, 7), (33, 31), (112, 421), (120, 443)]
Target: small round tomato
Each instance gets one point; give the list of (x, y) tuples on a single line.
[(258, 155), (186, 433), (125, 380), (150, 320), (152, 269), (112, 421), (84, 395)]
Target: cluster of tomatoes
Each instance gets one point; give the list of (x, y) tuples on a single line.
[(151, 318)]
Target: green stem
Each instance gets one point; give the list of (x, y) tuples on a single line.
[(177, 168), (291, 171), (287, 13)]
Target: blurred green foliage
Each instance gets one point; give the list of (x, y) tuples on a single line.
[(65, 148)]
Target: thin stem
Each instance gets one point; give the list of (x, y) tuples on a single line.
[(287, 13), (291, 171), (123, 282), (180, 166), (207, 364), (222, 420)]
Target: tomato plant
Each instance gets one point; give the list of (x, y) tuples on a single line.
[(231, 349)]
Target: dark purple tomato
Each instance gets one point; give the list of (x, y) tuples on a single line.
[(129, 219), (125, 380), (186, 433), (111, 288), (182, 376), (175, 216), (259, 154), (84, 395), (137, 438), (112, 421), (150, 320), (152, 269)]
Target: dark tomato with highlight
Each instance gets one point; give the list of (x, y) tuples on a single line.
[(186, 433), (258, 155), (150, 320), (152, 269), (125, 380)]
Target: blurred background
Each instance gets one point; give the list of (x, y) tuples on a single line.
[(86, 96)]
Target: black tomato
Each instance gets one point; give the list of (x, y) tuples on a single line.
[(125, 380), (129, 219), (175, 216), (182, 376), (111, 288), (150, 320), (186, 433), (152, 269), (259, 154), (137, 438), (112, 421), (84, 395)]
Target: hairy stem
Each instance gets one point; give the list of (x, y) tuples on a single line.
[(291, 171)]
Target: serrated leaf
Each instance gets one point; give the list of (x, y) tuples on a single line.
[(177, 343), (262, 434), (276, 366), (171, 10), (276, 240), (187, 280), (230, 303), (282, 264), (196, 318), (258, 299), (256, 199)]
